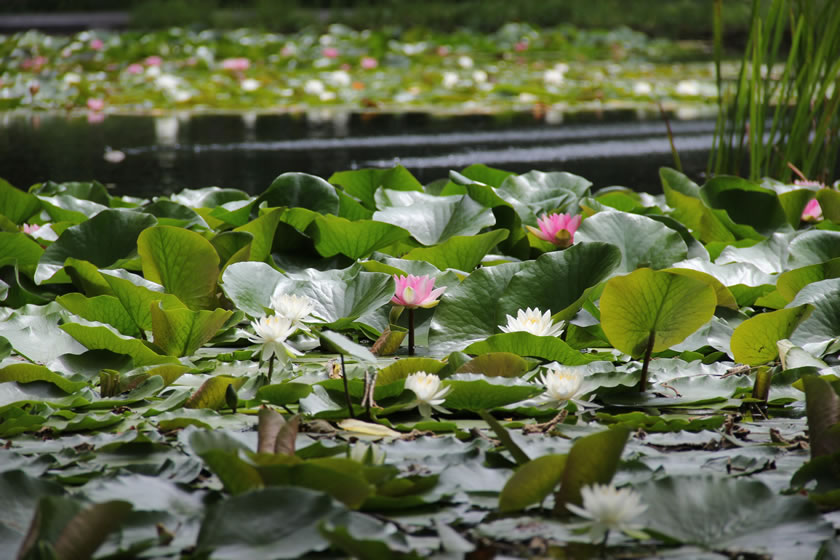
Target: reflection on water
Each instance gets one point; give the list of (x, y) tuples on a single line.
[(248, 150)]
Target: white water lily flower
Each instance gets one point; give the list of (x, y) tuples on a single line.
[(430, 394), (534, 322), (314, 87), (609, 508), (250, 84), (295, 308), (271, 332), (561, 384)]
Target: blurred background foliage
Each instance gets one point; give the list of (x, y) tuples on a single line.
[(665, 18)]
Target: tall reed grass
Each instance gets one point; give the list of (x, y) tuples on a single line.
[(783, 108)]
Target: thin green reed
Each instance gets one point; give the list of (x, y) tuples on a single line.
[(799, 100)]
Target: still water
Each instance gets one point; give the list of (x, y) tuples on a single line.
[(164, 154)]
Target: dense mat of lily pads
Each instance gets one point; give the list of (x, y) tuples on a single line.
[(516, 67), (364, 365)]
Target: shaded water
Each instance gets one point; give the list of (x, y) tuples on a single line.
[(164, 154)]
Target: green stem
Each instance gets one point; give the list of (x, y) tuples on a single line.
[(674, 153), (646, 363), (346, 388), (410, 331), (270, 367)]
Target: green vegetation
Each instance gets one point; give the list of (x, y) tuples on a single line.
[(228, 373)]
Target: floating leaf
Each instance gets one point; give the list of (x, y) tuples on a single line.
[(102, 337), (496, 364), (748, 516), (460, 253), (27, 373), (405, 367), (16, 204), (301, 190), (593, 459), (558, 281), (478, 394), (432, 219), (643, 242), (754, 341), (523, 343), (746, 203), (333, 235), (363, 183), (683, 195), (211, 394), (102, 240), (179, 331), (823, 407), (655, 307), (532, 482), (184, 262)]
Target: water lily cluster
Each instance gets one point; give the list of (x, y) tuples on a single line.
[(518, 67), (628, 364)]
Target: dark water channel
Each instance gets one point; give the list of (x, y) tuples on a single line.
[(164, 154)]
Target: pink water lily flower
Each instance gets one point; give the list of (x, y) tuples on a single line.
[(134, 68), (330, 52), (558, 229), (812, 211), (95, 104), (97, 44), (416, 291), (368, 63), (236, 64), (153, 60)]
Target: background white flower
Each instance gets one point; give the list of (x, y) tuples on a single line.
[(430, 394), (534, 322), (609, 508), (295, 308)]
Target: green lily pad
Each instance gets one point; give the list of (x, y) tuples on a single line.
[(526, 344), (432, 219), (184, 262), (16, 204), (459, 253), (333, 235), (643, 242), (180, 331), (363, 183), (300, 190), (102, 240), (754, 341), (654, 307), (532, 482), (733, 514)]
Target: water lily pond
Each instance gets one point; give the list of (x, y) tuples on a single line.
[(367, 365)]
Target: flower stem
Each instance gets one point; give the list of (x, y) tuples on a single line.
[(604, 544), (646, 363), (346, 388), (410, 331), (270, 367)]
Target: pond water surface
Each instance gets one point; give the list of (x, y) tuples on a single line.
[(164, 154)]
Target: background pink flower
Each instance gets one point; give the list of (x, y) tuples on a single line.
[(368, 63), (153, 60), (236, 64), (558, 229), (97, 44), (95, 104), (134, 68), (330, 52), (416, 291)]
